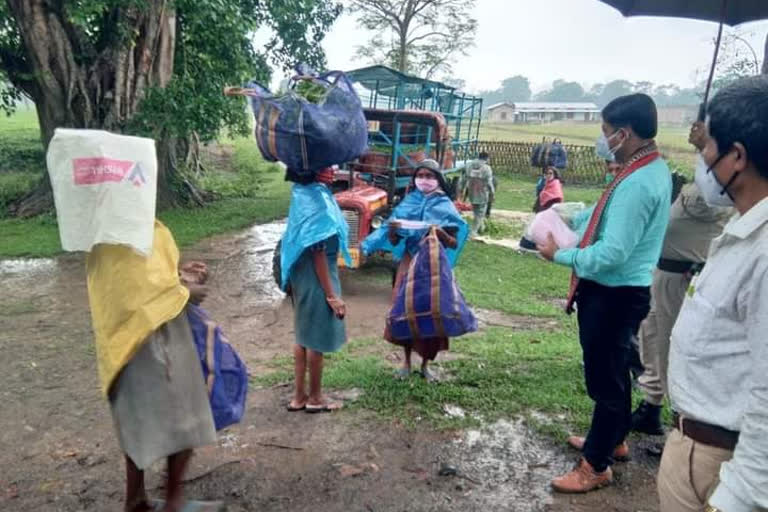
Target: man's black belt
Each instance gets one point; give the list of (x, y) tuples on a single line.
[(679, 267)]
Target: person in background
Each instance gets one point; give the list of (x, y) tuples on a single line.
[(692, 226), (612, 273), (315, 234), (148, 362), (716, 458), (479, 190), (551, 193), (428, 202)]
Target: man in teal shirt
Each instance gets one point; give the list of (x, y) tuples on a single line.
[(613, 269)]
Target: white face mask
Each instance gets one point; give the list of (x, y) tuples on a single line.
[(603, 148), (426, 185), (711, 190)]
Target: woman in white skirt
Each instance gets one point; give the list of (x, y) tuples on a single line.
[(148, 363)]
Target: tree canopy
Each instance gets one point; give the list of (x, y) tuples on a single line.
[(419, 37), (151, 67)]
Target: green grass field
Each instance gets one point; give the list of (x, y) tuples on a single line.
[(673, 140)]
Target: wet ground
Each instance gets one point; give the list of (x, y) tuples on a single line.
[(59, 452)]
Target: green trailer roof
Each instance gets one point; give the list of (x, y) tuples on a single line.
[(389, 82)]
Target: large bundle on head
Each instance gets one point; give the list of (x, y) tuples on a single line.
[(317, 123), (549, 154)]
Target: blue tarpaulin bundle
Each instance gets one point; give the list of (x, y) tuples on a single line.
[(549, 154), (225, 374), (309, 136)]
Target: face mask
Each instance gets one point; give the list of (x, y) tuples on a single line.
[(603, 148), (426, 185), (713, 193), (609, 177)]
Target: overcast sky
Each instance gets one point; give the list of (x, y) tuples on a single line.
[(582, 40)]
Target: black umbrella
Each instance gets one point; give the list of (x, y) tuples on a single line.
[(724, 12)]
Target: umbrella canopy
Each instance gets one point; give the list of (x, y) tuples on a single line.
[(730, 12)]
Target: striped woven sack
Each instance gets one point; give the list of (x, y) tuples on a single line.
[(309, 136), (428, 302)]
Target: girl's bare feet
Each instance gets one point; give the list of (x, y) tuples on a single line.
[(299, 403)]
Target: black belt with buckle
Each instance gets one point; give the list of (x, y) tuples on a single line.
[(679, 267), (704, 433)]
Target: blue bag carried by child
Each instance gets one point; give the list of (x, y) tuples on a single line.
[(428, 303), (228, 382)]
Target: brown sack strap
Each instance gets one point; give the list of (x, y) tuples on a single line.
[(210, 358), (704, 433), (410, 298), (434, 269)]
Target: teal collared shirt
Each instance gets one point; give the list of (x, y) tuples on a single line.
[(631, 233)]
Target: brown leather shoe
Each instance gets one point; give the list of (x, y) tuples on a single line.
[(582, 479), (621, 453)]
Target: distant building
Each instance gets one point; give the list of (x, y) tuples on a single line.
[(678, 114), (542, 112)]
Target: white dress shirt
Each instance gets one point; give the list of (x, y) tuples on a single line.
[(718, 361)]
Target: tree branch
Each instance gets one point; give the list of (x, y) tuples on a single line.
[(425, 36)]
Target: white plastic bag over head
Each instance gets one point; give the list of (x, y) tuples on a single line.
[(549, 222), (104, 186)]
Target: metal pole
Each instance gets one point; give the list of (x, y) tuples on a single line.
[(714, 57)]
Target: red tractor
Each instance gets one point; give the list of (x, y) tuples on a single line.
[(409, 119)]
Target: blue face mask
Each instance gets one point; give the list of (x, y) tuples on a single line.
[(603, 148)]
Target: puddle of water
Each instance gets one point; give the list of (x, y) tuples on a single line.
[(546, 419), (21, 279), (511, 464), (260, 242), (454, 411), (30, 267)]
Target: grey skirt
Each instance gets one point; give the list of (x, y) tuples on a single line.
[(159, 401)]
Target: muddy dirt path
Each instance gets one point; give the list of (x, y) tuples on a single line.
[(59, 452)]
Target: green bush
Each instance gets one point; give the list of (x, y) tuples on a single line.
[(247, 178), (15, 185), (20, 148)]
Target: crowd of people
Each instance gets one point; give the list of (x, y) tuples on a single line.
[(689, 279)]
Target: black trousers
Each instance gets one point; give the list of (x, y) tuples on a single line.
[(608, 320)]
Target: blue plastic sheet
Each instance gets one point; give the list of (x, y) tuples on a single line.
[(313, 216), (432, 209)]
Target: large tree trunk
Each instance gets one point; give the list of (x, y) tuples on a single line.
[(402, 57), (102, 92)]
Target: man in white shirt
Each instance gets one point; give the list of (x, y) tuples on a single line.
[(716, 458)]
